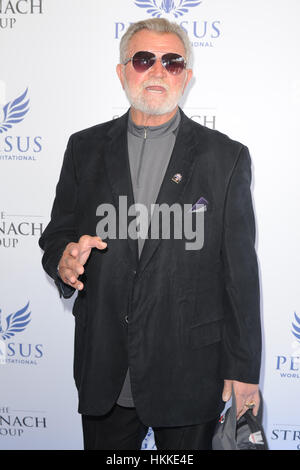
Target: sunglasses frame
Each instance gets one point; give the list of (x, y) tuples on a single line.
[(154, 58)]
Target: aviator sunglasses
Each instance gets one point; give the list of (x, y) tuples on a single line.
[(144, 60)]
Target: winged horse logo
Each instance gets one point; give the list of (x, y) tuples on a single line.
[(296, 327), (14, 112), (157, 8), (15, 322)]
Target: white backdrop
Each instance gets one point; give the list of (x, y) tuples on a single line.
[(246, 84)]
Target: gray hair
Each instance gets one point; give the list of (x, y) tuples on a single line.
[(159, 25)]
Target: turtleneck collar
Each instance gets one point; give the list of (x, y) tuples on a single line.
[(153, 132)]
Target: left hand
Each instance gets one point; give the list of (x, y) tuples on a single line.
[(244, 394)]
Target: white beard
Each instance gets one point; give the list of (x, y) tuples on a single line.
[(143, 103)]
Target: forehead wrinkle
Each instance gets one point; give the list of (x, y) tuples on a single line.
[(164, 42)]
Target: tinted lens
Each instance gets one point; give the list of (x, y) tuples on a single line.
[(173, 63), (143, 60)]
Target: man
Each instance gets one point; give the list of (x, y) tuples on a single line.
[(162, 333)]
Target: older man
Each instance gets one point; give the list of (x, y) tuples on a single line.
[(162, 332)]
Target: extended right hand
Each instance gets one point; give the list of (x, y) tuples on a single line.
[(74, 258)]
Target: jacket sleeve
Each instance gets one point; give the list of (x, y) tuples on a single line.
[(61, 229), (241, 353)]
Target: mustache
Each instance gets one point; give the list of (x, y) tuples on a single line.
[(156, 82)]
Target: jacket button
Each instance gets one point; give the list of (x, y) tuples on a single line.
[(126, 318)]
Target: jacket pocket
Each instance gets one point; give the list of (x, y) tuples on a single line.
[(205, 334)]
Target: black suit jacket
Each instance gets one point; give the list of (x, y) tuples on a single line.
[(182, 320)]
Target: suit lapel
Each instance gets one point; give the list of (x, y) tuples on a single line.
[(118, 170), (182, 161)]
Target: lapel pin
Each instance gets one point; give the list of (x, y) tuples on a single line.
[(177, 178)]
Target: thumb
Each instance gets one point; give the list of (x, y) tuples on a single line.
[(227, 390)]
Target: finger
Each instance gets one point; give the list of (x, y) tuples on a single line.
[(76, 285), (227, 390), (240, 412), (79, 285), (240, 407), (73, 282), (74, 265), (99, 243), (251, 403), (69, 271), (68, 276), (87, 242), (257, 403), (72, 250)]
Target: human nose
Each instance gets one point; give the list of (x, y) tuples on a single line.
[(157, 69)]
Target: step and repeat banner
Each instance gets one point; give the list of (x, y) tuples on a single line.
[(57, 76)]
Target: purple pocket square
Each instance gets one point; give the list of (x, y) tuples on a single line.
[(200, 206)]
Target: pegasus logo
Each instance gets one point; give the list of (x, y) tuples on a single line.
[(15, 322), (296, 328), (157, 8), (14, 112)]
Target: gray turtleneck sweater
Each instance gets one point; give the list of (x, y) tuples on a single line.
[(149, 150)]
